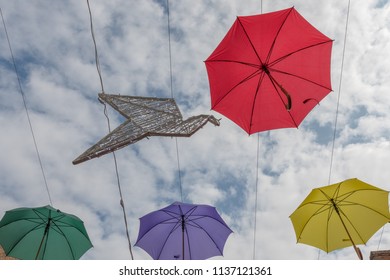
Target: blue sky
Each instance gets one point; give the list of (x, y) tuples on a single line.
[(54, 53)]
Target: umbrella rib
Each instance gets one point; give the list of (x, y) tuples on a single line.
[(23, 236), (254, 65), (176, 223), (347, 195), (40, 215), (176, 226), (250, 41), (276, 61), (33, 220), (59, 230), (43, 220), (276, 36), (200, 227), (173, 220), (207, 216), (254, 99), (196, 225), (276, 85), (330, 214), (38, 225), (45, 245), (299, 77), (337, 203), (189, 219), (361, 205), (66, 224), (251, 76), (318, 211), (352, 225), (325, 207)]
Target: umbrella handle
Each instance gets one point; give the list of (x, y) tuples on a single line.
[(285, 92), (182, 235), (358, 252), (43, 237), (288, 105)]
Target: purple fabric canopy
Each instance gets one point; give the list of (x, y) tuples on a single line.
[(197, 231)]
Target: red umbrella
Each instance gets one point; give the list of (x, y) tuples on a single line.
[(269, 71)]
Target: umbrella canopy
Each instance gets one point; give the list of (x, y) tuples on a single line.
[(341, 215), (183, 231), (269, 71), (43, 233)]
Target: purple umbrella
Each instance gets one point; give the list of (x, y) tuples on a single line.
[(183, 231)]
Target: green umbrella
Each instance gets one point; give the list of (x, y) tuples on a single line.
[(43, 233)]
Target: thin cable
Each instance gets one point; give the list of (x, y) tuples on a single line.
[(26, 109), (339, 94), (256, 192), (172, 96), (179, 169), (97, 62), (261, 6), (257, 178), (380, 239), (169, 49), (338, 101), (119, 186), (122, 204)]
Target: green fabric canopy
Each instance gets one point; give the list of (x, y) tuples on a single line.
[(43, 233)]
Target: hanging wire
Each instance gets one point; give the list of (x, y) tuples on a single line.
[(179, 170), (172, 96), (261, 6), (338, 101), (257, 177), (26, 109), (122, 204), (170, 50), (380, 238), (97, 62), (339, 93), (256, 192), (119, 186)]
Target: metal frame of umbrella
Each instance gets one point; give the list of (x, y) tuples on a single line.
[(183, 231), (43, 233), (269, 71), (341, 215)]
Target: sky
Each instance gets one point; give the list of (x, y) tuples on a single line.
[(54, 55)]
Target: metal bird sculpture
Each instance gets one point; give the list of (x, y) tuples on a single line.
[(145, 117)]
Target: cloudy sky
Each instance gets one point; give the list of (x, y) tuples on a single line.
[(54, 54)]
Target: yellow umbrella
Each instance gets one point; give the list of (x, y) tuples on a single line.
[(341, 215)]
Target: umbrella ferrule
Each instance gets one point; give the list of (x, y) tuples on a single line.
[(264, 67), (334, 205)]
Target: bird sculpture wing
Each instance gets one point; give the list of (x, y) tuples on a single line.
[(145, 116)]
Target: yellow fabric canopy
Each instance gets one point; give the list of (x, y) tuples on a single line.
[(341, 215)]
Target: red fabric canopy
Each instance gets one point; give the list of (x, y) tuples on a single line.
[(269, 71)]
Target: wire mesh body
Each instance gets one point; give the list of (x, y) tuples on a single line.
[(146, 117)]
